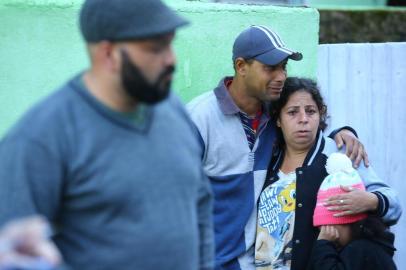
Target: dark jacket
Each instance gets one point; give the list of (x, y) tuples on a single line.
[(360, 254), (308, 180)]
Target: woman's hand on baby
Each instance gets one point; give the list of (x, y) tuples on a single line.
[(352, 202), (329, 233)]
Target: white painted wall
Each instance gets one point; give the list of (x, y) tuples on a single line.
[(365, 87)]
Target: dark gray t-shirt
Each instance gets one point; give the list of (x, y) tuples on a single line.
[(121, 194)]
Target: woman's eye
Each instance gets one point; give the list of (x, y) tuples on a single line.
[(291, 112), (311, 111)]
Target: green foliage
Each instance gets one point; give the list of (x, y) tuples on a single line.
[(355, 26)]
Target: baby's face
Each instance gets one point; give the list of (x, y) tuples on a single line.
[(344, 232)]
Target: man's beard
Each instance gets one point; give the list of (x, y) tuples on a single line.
[(138, 87)]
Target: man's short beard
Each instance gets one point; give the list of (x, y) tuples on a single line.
[(138, 87)]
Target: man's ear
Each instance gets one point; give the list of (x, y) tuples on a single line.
[(110, 55), (240, 66)]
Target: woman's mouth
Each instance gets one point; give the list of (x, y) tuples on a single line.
[(303, 132)]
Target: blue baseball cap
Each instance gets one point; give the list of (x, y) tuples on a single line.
[(123, 20), (264, 45)]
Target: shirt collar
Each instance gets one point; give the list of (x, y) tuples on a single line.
[(226, 102)]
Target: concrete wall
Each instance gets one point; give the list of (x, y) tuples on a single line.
[(364, 87), (204, 48), (40, 46)]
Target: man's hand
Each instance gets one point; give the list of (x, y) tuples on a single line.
[(329, 233), (24, 244), (355, 150), (354, 201)]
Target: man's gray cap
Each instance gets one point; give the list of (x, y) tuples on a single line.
[(120, 20), (264, 45)]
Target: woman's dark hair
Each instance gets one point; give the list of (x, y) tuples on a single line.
[(371, 227), (293, 85)]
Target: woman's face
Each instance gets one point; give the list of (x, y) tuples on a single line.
[(299, 120)]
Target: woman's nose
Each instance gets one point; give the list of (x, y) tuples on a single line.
[(303, 117)]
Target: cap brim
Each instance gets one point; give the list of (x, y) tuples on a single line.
[(276, 56), (170, 22)]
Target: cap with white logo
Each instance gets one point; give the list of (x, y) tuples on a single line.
[(264, 45)]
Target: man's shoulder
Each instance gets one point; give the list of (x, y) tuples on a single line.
[(47, 114), (204, 109), (174, 106), (202, 103), (208, 103)]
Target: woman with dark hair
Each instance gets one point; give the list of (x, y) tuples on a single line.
[(285, 232)]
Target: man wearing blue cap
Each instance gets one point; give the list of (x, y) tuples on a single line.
[(111, 158), (237, 135)]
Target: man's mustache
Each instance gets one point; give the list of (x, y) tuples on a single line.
[(168, 71)]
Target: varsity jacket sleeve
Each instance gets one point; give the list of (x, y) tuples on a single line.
[(389, 207)]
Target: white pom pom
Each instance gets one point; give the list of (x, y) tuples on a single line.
[(338, 162)]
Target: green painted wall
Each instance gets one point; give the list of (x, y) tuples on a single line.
[(40, 46)]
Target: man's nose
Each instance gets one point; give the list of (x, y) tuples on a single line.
[(170, 57), (280, 74)]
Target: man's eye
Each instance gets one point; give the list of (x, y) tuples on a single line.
[(156, 49)]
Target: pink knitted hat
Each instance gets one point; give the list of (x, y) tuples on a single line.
[(341, 173)]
